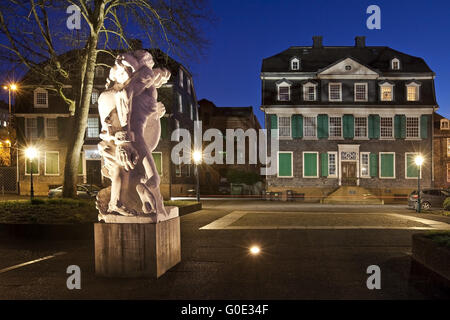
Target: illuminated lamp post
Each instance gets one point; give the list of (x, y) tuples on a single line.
[(419, 161), (197, 157), (31, 153)]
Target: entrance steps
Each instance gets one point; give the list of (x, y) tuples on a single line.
[(352, 195)]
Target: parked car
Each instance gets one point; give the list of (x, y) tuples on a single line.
[(429, 198), (85, 191)]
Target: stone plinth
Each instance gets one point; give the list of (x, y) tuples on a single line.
[(137, 249)]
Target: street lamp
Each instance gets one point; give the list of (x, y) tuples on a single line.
[(419, 161), (197, 157), (31, 153), (10, 87)]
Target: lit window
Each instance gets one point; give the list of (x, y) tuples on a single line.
[(92, 128), (412, 92), (309, 92), (360, 127), (51, 128), (412, 127), (386, 92), (51, 163), (448, 147), (334, 92), (335, 127), (94, 96), (31, 128), (284, 126), (309, 127), (444, 124), (386, 125), (360, 91), (283, 93), (364, 164)]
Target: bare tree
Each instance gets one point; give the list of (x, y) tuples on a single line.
[(34, 33)]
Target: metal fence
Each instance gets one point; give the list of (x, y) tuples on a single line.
[(8, 180)]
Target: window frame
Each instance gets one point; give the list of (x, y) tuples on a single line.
[(444, 121), (329, 128), (279, 116), (98, 126), (30, 138), (392, 64), (306, 86), (315, 128), (45, 164), (35, 93), (366, 91), (392, 128), (38, 158), (388, 85), (355, 137), (361, 165), (418, 128), (379, 165), (335, 153), (417, 95), (340, 91), (292, 164), (295, 60), (406, 166), (289, 92), (46, 128), (317, 165), (92, 97)]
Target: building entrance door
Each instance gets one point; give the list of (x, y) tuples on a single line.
[(348, 173), (93, 172)]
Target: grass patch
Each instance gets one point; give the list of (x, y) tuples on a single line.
[(56, 211), (442, 238)]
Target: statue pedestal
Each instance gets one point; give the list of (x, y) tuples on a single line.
[(137, 248)]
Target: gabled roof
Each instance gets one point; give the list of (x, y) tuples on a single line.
[(315, 59)]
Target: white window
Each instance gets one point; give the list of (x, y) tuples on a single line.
[(99, 72), (360, 91), (332, 167), (360, 127), (335, 127), (51, 128), (395, 64), (412, 92), (94, 96), (334, 92), (180, 103), (181, 78), (412, 127), (51, 163), (445, 124), (32, 165), (284, 126), (309, 127), (92, 128), (284, 93), (31, 130), (40, 98), (386, 127), (386, 92), (309, 92), (295, 64), (191, 111), (188, 85), (365, 158)]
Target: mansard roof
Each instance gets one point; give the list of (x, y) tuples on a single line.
[(375, 57)]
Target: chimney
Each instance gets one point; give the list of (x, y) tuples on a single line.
[(317, 42), (360, 41)]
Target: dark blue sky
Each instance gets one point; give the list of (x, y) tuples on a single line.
[(249, 30)]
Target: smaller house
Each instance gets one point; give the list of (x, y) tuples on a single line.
[(441, 154)]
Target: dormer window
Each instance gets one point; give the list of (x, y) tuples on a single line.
[(295, 64), (99, 72), (284, 90), (386, 91), (40, 98), (395, 64), (412, 91), (309, 91), (445, 124)]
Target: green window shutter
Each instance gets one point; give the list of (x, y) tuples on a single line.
[(412, 170), (349, 126), (403, 126), (40, 127), (400, 126), (374, 126), (163, 121), (284, 164), (297, 126), (310, 164), (373, 164), (34, 166), (157, 157), (51, 163), (324, 164), (370, 126), (387, 165), (273, 123), (61, 123), (80, 164), (20, 123), (424, 126), (322, 126)]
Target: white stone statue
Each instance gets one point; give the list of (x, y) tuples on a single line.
[(130, 117)]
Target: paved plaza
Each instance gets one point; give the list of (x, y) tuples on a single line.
[(308, 251)]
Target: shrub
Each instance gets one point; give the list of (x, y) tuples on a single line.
[(447, 204)]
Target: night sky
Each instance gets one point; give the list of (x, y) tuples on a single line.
[(250, 30), (246, 31)]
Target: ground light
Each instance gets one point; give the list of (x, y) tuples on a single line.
[(255, 250)]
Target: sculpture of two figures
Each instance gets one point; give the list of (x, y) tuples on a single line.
[(130, 118)]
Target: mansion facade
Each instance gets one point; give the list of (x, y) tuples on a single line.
[(349, 116)]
